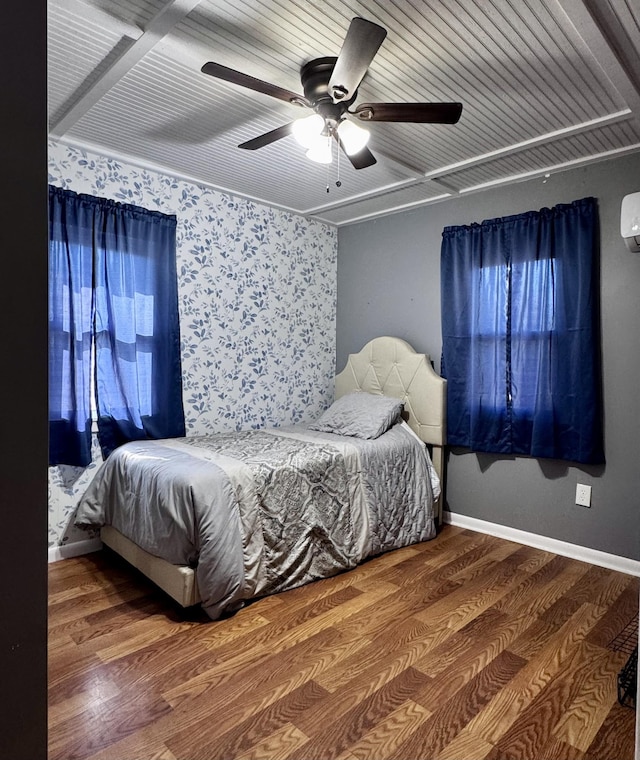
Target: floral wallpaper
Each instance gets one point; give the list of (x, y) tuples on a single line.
[(257, 290)]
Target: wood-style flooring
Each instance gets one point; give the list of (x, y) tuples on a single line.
[(467, 647)]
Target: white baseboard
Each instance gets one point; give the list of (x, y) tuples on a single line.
[(75, 549), (582, 553)]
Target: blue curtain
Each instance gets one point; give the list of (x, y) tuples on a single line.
[(70, 328), (521, 337), (118, 262)]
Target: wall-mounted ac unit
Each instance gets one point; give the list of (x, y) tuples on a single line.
[(630, 221)]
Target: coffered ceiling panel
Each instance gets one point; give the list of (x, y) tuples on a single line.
[(544, 84)]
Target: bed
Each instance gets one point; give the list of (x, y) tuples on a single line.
[(219, 520)]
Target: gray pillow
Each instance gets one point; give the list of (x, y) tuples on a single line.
[(360, 414)]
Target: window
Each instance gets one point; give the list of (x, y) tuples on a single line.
[(521, 334), (114, 341)]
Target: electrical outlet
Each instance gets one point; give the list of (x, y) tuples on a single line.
[(583, 495)]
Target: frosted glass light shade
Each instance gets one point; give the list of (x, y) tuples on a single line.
[(308, 129), (352, 137), (320, 151)]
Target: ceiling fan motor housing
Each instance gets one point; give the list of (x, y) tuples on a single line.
[(315, 76)]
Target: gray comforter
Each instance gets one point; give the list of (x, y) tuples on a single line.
[(263, 511)]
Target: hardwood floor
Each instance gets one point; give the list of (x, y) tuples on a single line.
[(466, 647)]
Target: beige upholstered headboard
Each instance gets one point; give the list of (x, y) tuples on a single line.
[(391, 367)]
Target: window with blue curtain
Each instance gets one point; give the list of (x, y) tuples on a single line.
[(114, 334), (521, 334)]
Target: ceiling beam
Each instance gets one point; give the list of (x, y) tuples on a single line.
[(159, 26), (546, 171), (392, 187), (391, 210), (532, 142), (106, 21), (598, 26)]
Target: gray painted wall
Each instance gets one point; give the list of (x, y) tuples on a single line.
[(389, 284)]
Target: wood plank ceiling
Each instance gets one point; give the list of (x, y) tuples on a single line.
[(546, 84)]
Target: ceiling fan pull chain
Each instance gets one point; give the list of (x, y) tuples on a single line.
[(329, 164), (338, 181)]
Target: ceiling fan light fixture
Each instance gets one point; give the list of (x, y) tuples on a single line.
[(320, 151), (352, 137), (308, 129)]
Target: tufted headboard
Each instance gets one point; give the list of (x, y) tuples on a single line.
[(391, 367)]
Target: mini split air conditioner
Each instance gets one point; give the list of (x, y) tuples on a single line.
[(630, 221)]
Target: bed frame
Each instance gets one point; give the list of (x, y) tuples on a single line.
[(385, 365)]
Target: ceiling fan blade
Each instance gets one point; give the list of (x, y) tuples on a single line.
[(359, 160), (358, 49), (244, 80), (421, 113), (267, 138)]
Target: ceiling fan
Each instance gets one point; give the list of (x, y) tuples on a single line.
[(330, 88)]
